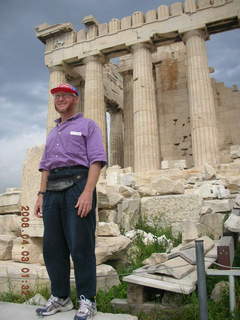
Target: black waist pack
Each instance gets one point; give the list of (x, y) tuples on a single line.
[(63, 179), (61, 183)]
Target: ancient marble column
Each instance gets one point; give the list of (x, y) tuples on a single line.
[(82, 89), (116, 138), (201, 100), (160, 105), (94, 105), (56, 77), (146, 143), (128, 118)]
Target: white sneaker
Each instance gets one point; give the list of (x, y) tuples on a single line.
[(87, 309), (53, 305)]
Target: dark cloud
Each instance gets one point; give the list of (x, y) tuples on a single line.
[(223, 53)]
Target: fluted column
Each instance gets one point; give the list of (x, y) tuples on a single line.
[(201, 101), (116, 138), (160, 105), (81, 87), (146, 145), (56, 77), (128, 119), (94, 105)]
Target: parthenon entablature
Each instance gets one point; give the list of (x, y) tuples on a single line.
[(165, 25)]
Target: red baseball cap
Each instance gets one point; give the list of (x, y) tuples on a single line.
[(65, 87)]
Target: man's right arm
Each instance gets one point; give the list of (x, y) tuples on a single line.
[(39, 201)]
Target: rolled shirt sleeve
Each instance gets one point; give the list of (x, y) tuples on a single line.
[(94, 143), (43, 162)]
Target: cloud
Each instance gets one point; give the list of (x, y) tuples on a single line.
[(13, 152), (223, 53), (24, 106)]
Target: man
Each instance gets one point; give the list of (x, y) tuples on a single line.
[(70, 167)]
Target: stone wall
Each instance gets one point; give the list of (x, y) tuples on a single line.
[(227, 112), (173, 106), (172, 103)]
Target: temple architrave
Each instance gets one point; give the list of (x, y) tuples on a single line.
[(166, 106)]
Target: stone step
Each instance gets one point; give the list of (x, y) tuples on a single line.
[(159, 284), (27, 312), (167, 312), (36, 276), (185, 285)]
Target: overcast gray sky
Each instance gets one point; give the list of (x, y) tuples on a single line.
[(24, 78)]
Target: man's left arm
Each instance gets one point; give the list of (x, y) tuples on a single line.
[(84, 203)]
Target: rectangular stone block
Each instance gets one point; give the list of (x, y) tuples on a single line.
[(190, 6), (235, 151), (176, 9), (163, 12), (30, 186), (159, 284), (189, 280), (128, 213), (10, 201), (217, 3), (108, 229), (233, 223), (32, 248), (126, 22), (219, 205), (151, 15), (6, 244), (114, 25), (213, 224), (169, 164), (81, 35), (137, 18), (11, 275), (203, 4), (176, 267), (9, 225), (102, 29), (135, 293), (163, 211)]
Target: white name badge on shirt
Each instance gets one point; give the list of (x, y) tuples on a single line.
[(76, 133)]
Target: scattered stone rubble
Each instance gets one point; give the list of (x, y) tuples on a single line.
[(219, 290), (233, 221), (177, 270), (192, 202)]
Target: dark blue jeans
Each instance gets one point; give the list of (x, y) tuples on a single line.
[(65, 234)]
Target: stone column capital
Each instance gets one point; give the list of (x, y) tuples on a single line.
[(143, 45), (192, 33), (56, 68), (95, 58)]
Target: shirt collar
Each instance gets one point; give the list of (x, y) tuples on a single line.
[(75, 116)]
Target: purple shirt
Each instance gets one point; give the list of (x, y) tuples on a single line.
[(77, 141)]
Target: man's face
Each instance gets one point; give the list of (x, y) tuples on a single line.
[(64, 102)]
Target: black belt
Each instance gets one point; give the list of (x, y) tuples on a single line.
[(60, 169)]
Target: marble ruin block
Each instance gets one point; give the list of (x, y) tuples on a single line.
[(10, 201)]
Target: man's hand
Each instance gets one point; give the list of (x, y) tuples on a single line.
[(38, 206), (84, 203)]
